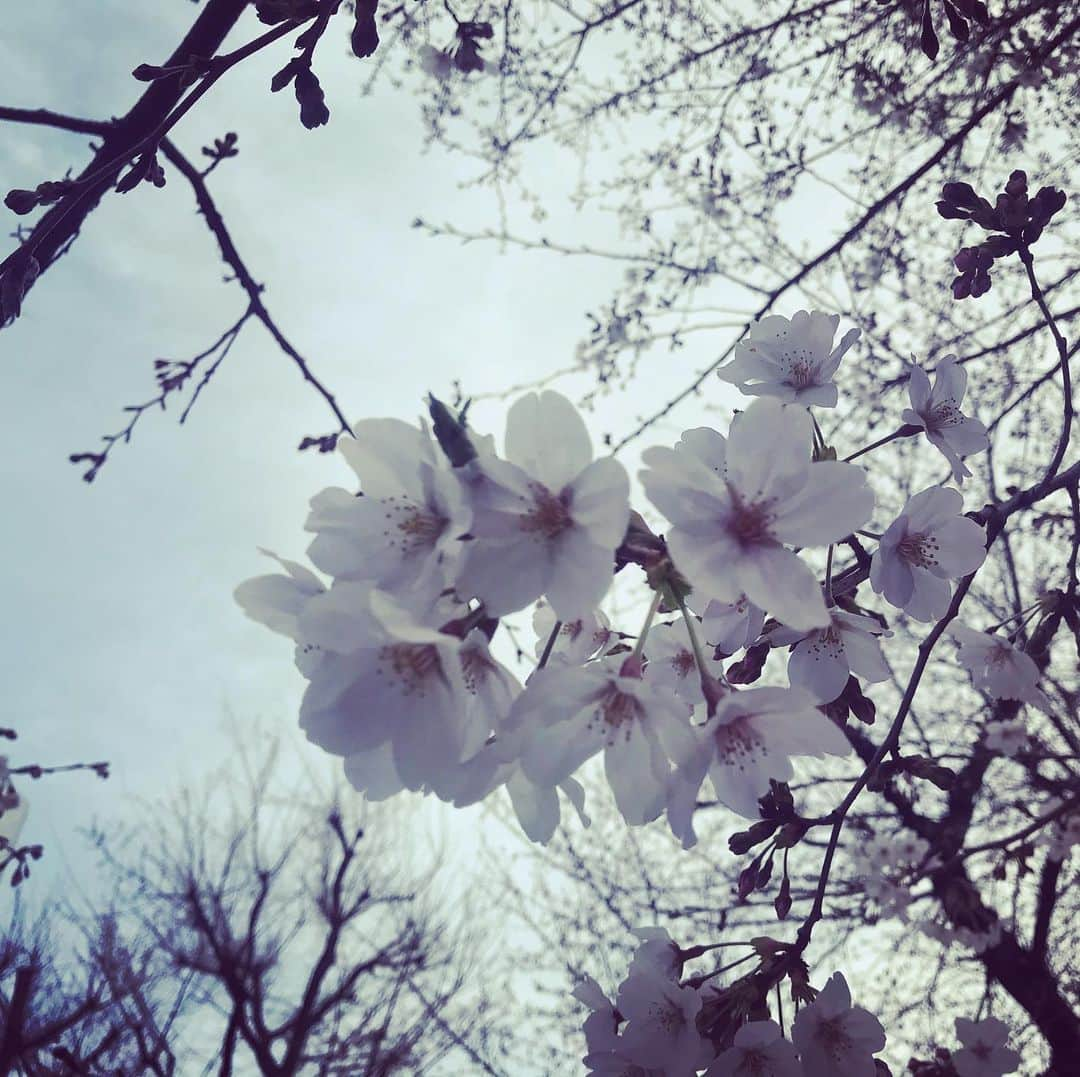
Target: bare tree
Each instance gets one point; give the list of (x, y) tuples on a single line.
[(250, 928)]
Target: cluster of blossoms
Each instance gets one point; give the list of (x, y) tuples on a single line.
[(446, 536), (663, 1022)]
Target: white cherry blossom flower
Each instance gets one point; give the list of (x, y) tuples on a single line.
[(1006, 737), (538, 808), (734, 504), (984, 1053), (758, 1050), (835, 1039), (893, 898), (405, 532), (730, 626), (548, 518), (601, 1026), (937, 411), (926, 546), (997, 667), (277, 601), (672, 667), (661, 1023), (387, 677), (566, 715), (578, 640), (823, 659), (657, 952), (792, 359), (751, 738)]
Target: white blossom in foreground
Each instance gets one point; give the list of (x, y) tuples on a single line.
[(822, 660), (548, 518), (601, 1026), (538, 807), (565, 716), (657, 951), (758, 1050), (404, 532), (751, 738), (388, 678), (577, 641), (984, 1053), (792, 359), (277, 601), (672, 666), (926, 546), (661, 1023), (997, 667), (937, 411), (834, 1038), (734, 505), (730, 626)]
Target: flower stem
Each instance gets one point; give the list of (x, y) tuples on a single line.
[(828, 576), (550, 645), (903, 432), (695, 642), (640, 645)]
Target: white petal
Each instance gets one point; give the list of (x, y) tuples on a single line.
[(769, 449), (547, 437), (834, 500), (819, 669), (386, 455), (580, 574), (776, 580), (600, 501)]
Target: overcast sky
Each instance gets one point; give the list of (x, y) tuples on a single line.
[(121, 637)]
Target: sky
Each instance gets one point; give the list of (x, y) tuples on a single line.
[(121, 638)]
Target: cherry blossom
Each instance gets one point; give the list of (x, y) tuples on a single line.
[(751, 738), (547, 519), (565, 716), (823, 659), (730, 626), (601, 1026), (577, 641), (758, 1050), (924, 548), (661, 1023), (388, 677), (984, 1053), (538, 807), (277, 601), (937, 411), (734, 504), (672, 666), (657, 951), (997, 667), (405, 531), (834, 1038), (792, 359), (1006, 737)]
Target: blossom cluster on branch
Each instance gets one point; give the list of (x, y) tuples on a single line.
[(446, 536)]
